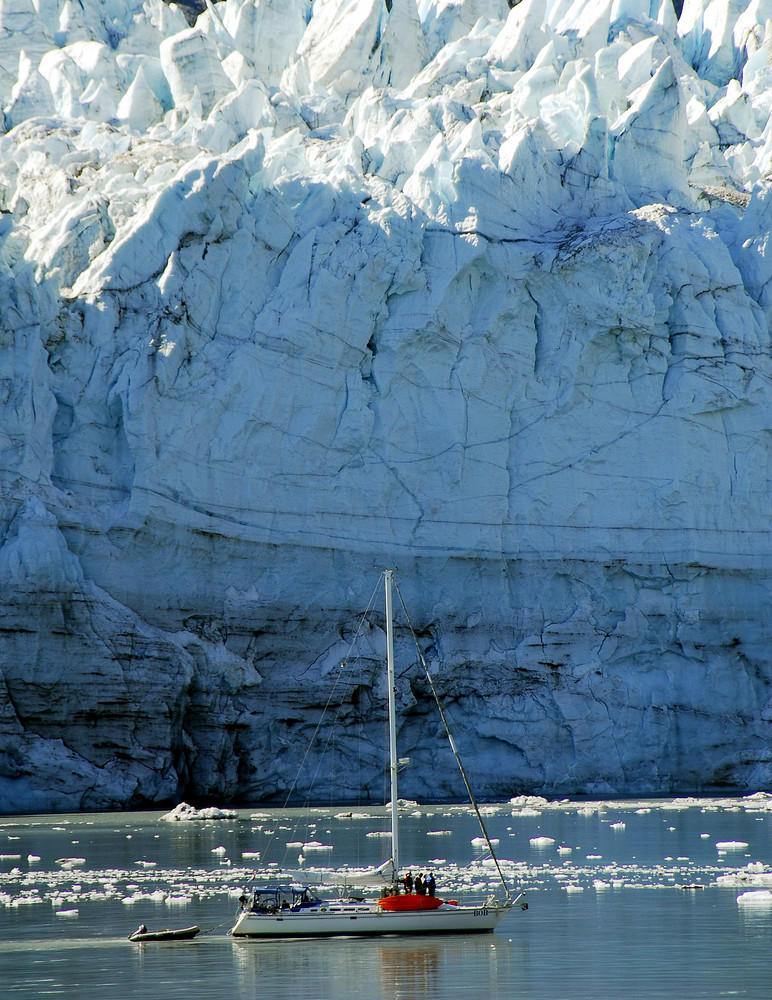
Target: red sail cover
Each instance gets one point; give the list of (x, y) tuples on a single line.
[(410, 901)]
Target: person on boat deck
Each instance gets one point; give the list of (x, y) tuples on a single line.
[(409, 882), (431, 884), (420, 885)]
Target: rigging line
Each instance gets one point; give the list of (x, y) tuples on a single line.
[(315, 733), (452, 742)]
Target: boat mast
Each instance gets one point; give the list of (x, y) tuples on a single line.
[(393, 759)]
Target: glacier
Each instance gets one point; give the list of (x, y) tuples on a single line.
[(301, 290)]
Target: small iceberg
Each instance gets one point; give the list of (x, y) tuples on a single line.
[(542, 841), (183, 813), (755, 897), (731, 845)]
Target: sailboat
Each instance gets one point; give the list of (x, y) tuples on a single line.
[(293, 910)]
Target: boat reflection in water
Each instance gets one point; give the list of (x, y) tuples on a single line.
[(425, 968)]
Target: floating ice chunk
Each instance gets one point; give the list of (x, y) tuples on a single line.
[(731, 845), (219, 850), (33, 857), (761, 877), (379, 833), (70, 862), (482, 842), (755, 897), (574, 888), (618, 826), (146, 864), (11, 857), (185, 813), (294, 843), (438, 833), (66, 913), (758, 798), (565, 850), (542, 841), (251, 854), (315, 845)]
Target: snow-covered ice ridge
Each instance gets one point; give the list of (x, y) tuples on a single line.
[(308, 289)]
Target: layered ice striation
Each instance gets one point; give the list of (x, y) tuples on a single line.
[(305, 289)]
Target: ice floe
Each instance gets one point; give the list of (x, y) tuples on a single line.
[(184, 813), (755, 897)]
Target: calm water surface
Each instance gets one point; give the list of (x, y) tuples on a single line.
[(608, 915)]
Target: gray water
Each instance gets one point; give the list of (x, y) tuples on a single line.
[(626, 900)]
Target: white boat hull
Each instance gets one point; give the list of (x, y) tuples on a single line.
[(369, 919)]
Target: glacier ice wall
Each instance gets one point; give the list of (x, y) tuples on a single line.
[(306, 289)]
